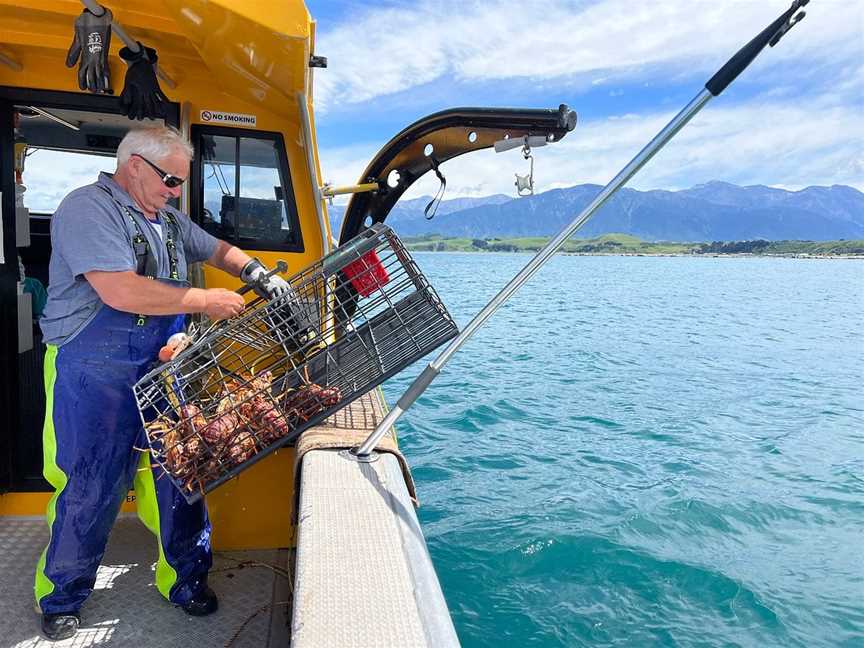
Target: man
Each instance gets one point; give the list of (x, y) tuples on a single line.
[(117, 291)]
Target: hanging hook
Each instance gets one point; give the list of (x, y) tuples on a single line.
[(525, 184)]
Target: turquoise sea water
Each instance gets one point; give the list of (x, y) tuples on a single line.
[(644, 451)]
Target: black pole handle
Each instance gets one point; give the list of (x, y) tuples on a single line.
[(771, 35), (281, 266)]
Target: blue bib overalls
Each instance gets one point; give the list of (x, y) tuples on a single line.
[(93, 443)]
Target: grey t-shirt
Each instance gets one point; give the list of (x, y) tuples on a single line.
[(90, 230)]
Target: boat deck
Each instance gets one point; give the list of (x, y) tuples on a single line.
[(126, 610), (360, 551)]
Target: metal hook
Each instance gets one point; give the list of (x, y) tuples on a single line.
[(790, 22), (525, 184)]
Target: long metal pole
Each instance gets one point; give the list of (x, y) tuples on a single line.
[(719, 82), (54, 118), (428, 375)]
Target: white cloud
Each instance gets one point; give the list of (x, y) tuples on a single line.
[(560, 39), (804, 128), (764, 141)]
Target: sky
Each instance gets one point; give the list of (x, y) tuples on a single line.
[(794, 118)]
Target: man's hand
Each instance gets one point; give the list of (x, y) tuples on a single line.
[(222, 304), (271, 287)]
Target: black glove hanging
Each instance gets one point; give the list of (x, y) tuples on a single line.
[(142, 97), (91, 43)]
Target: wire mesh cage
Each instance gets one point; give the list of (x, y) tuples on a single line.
[(249, 385)]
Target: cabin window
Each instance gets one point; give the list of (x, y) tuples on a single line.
[(245, 194), (46, 188)]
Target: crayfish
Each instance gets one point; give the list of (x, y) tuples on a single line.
[(309, 400), (247, 417)]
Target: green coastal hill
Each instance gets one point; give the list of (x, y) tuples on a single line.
[(625, 244)]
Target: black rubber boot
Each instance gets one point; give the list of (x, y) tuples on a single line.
[(60, 626), (202, 604)]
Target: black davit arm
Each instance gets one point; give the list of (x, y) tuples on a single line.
[(448, 133), (771, 35)]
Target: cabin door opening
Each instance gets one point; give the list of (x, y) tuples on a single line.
[(50, 144)]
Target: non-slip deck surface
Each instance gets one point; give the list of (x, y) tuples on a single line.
[(126, 610)]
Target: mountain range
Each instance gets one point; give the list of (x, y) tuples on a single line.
[(716, 211)]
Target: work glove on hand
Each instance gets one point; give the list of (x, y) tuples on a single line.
[(90, 44), (142, 97), (271, 287), (295, 314)]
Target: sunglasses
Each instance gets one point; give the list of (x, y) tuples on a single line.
[(170, 181)]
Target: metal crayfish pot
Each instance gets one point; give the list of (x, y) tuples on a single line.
[(252, 384)]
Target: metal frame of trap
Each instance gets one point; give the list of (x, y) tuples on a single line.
[(353, 319)]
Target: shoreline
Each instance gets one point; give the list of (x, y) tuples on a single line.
[(629, 245), (743, 255)]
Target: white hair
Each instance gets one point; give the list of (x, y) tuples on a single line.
[(153, 143)]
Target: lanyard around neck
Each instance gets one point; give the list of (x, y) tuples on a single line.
[(170, 245), (142, 247)]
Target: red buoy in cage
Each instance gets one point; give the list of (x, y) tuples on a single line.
[(367, 273)]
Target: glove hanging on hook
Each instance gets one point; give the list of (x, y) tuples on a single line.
[(89, 49), (142, 98)]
